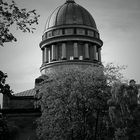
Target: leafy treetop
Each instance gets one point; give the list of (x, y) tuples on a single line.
[(73, 103), (4, 88), (11, 14)]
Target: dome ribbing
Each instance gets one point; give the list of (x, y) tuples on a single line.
[(70, 13)]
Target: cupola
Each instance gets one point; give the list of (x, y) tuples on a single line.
[(70, 37)]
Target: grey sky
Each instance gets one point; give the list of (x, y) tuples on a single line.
[(118, 22)]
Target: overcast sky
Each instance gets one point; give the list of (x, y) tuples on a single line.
[(118, 22)]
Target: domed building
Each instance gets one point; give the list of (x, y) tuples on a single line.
[(70, 38)]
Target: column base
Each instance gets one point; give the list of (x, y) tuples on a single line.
[(45, 62), (76, 58), (86, 59), (63, 58), (53, 59)]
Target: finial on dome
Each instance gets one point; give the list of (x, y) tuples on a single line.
[(70, 1)]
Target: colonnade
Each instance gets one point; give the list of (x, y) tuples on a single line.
[(50, 53)]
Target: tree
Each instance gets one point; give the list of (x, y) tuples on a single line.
[(74, 105), (114, 74), (124, 112), (4, 88), (11, 14)]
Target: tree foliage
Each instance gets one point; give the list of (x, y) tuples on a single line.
[(124, 112), (73, 104), (11, 14), (114, 74), (4, 88)]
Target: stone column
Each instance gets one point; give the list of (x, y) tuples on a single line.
[(49, 55), (53, 53), (75, 51), (99, 54), (45, 55), (86, 51), (94, 52), (56, 52), (63, 50)]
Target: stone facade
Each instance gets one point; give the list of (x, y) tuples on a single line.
[(20, 115)]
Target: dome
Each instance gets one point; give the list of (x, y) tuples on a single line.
[(70, 13), (70, 38)]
